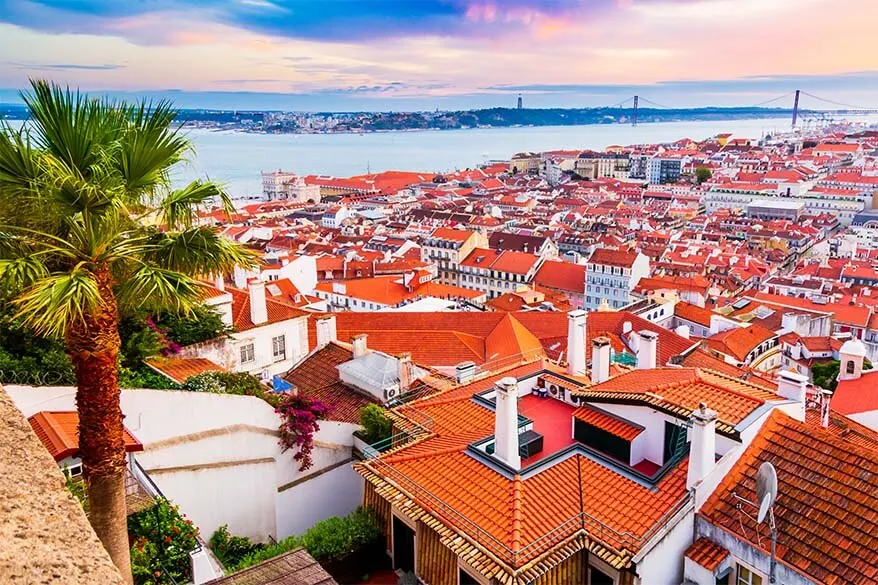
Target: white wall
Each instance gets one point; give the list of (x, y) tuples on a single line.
[(340, 490), (654, 423), (663, 564), (217, 456)]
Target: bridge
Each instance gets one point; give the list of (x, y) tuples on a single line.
[(819, 111)]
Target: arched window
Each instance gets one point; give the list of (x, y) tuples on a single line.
[(850, 367)]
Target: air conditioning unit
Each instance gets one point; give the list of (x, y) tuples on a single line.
[(390, 393)]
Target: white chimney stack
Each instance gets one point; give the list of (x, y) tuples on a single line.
[(326, 331), (405, 372), (793, 386), (359, 345), (576, 326), (647, 350), (506, 422), (682, 331), (258, 309), (702, 449), (600, 360), (220, 282)]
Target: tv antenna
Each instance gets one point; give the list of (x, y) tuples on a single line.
[(766, 494)]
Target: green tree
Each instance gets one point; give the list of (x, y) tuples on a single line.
[(702, 174), (115, 235)]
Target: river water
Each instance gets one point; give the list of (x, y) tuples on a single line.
[(236, 159)]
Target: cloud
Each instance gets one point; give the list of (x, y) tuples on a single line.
[(67, 66), (333, 20)]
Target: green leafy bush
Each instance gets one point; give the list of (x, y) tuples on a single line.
[(231, 550), (202, 324), (376, 425), (334, 538), (328, 540), (144, 377), (162, 539), (239, 384)]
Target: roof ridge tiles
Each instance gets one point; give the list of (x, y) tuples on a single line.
[(516, 513)]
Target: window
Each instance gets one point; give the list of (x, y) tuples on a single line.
[(747, 577), (279, 348), (849, 367), (247, 353)]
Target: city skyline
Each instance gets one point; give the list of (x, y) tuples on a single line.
[(442, 53)]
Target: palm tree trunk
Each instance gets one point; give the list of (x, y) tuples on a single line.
[(93, 346)]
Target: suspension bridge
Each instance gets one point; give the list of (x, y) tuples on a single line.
[(818, 107)]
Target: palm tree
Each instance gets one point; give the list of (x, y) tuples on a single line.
[(89, 225)]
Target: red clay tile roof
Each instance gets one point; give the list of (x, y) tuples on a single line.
[(693, 313), (59, 432), (277, 311), (617, 511), (740, 341), (561, 276), (685, 388), (613, 257), (449, 338), (706, 553), (317, 376), (607, 422), (856, 396), (826, 509), (180, 369), (845, 428)]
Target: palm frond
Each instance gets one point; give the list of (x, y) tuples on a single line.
[(158, 289), (19, 165), (56, 301), (180, 208), (151, 145), (19, 273), (198, 251), (67, 124)]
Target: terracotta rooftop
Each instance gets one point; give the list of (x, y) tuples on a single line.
[(561, 276), (607, 422), (59, 432), (826, 510), (277, 311), (740, 341), (856, 396), (706, 553), (317, 376), (682, 389), (613, 257), (46, 536), (296, 567), (519, 518), (181, 369)]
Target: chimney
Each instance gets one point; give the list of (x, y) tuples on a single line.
[(406, 371), (702, 449), (326, 331), (506, 422), (600, 360), (258, 309), (792, 386), (646, 350), (465, 371), (359, 345), (576, 323), (220, 282), (682, 331)]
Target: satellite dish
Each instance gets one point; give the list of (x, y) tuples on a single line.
[(766, 489)]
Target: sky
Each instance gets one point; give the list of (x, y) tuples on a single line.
[(447, 54)]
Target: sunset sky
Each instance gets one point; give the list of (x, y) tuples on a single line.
[(415, 54)]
